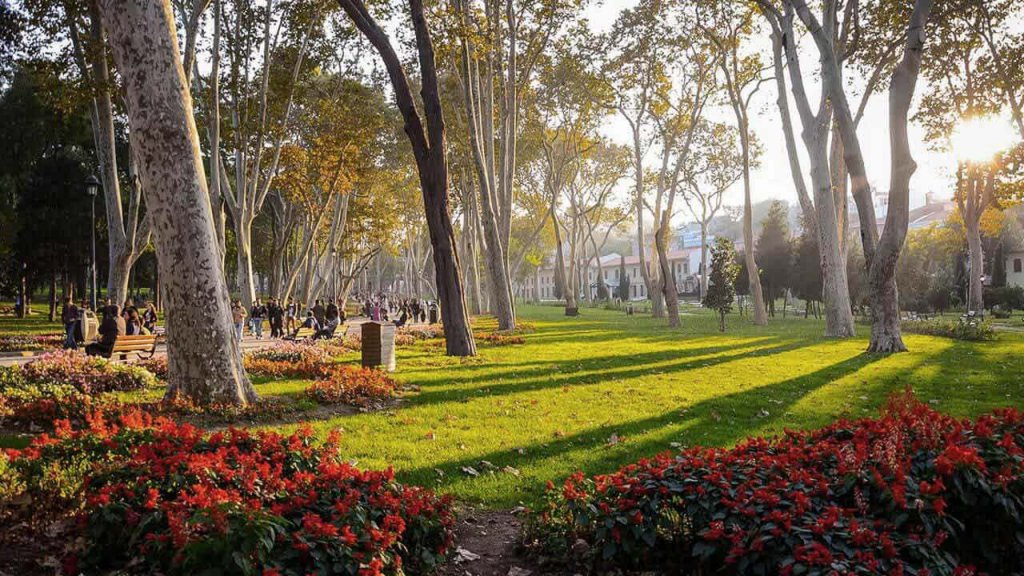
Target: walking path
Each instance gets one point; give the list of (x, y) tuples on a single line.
[(352, 327)]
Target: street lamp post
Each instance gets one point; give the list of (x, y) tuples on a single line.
[(92, 187)]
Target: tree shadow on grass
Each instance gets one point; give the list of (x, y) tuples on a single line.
[(597, 371), (544, 368), (590, 449)]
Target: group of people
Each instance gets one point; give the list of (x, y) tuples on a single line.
[(285, 320), (382, 307), (116, 321)]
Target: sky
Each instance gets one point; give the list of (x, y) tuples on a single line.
[(772, 178)]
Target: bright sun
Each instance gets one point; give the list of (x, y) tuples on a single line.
[(980, 138)]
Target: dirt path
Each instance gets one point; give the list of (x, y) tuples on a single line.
[(489, 545)]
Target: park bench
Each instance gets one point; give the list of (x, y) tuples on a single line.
[(142, 345), (302, 334)]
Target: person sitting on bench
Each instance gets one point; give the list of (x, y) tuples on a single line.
[(112, 326), (327, 332), (309, 323)]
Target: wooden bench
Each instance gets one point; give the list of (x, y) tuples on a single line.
[(143, 345), (303, 334)]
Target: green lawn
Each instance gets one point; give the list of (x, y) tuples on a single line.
[(601, 390), (36, 323), (556, 404)]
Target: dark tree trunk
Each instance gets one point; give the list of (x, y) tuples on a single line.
[(431, 161), (53, 297), (204, 358)]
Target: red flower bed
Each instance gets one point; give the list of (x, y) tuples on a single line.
[(41, 412), (353, 385), (420, 332), (912, 492), (163, 497)]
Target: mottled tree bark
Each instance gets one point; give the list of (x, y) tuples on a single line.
[(204, 359)]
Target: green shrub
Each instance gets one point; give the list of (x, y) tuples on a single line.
[(972, 330), (1007, 298)]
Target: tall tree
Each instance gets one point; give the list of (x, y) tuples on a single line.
[(820, 216), (715, 167), (726, 25), (880, 252), (127, 231), (724, 269), (430, 152), (204, 358), (774, 254)]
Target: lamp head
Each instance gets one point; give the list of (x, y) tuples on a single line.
[(92, 186)]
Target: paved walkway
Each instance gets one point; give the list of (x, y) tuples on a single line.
[(352, 327)]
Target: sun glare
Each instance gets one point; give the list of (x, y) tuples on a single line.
[(980, 138)]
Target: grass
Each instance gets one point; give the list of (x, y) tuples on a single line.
[(36, 323), (595, 392)]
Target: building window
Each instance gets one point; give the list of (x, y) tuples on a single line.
[(617, 274), (1016, 266)]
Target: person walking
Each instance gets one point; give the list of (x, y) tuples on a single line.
[(276, 316), (238, 317), (256, 316), (290, 313), (69, 316), (149, 318)]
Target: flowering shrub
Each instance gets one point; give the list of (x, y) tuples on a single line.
[(421, 332), (973, 330), (339, 345), (290, 360), (63, 385), (353, 385), (290, 351), (163, 497), (912, 492), (20, 342), (501, 339), (40, 411), (263, 410), (88, 374), (157, 366), (405, 339)]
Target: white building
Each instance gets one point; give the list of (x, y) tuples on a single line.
[(685, 265), (1015, 268)]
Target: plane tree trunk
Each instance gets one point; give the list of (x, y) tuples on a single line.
[(204, 358)]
